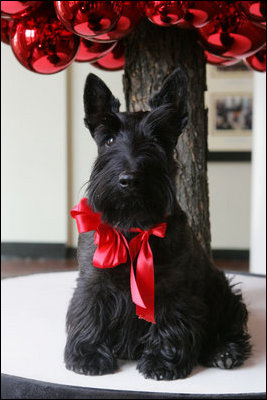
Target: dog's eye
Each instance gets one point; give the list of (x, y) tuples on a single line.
[(110, 141)]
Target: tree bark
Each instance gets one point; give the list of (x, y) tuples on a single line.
[(151, 54)]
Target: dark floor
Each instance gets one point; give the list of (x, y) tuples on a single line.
[(16, 267)]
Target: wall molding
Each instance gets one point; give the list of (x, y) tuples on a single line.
[(60, 250), (33, 250), (230, 254), (229, 156)]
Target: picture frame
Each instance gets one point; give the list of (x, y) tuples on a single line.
[(230, 121)]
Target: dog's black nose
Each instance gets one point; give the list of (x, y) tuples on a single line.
[(126, 179)]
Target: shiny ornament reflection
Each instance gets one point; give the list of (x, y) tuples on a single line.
[(131, 14), (15, 9), (6, 25), (231, 34), (89, 18), (254, 10), (42, 44), (216, 60), (91, 51), (163, 13), (257, 62), (113, 61), (197, 13)]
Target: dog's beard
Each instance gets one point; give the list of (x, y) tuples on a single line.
[(142, 207)]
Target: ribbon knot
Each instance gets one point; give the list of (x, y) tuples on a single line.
[(111, 251)]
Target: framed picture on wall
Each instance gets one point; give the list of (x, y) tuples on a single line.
[(231, 114), (229, 101), (230, 122)]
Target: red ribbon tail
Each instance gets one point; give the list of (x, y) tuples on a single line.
[(147, 314), (145, 281), (136, 296)]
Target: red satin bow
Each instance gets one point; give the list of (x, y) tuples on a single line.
[(112, 251)]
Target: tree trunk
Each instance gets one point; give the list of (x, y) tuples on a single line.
[(152, 53)]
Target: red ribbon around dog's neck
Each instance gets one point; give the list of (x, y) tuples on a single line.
[(112, 249)]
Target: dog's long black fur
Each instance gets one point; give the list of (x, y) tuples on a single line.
[(200, 318)]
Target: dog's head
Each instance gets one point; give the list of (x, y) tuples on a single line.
[(132, 182)]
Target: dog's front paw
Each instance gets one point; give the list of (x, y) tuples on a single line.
[(93, 364), (153, 367)]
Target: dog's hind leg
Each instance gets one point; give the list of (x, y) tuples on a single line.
[(230, 354), (228, 345), (88, 349)]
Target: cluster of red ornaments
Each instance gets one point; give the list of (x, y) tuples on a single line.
[(46, 37)]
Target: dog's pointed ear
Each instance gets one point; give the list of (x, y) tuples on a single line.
[(174, 92), (98, 99)]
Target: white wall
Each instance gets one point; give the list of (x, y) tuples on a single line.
[(229, 190), (258, 208), (33, 151), (229, 182)]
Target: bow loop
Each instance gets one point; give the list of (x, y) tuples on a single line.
[(110, 250), (86, 219), (158, 230)]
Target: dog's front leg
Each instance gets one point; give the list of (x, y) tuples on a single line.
[(88, 350), (173, 344)]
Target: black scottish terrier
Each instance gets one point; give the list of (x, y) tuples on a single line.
[(200, 318)]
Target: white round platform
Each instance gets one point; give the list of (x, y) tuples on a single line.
[(33, 339)]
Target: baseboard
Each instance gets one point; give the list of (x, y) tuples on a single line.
[(60, 250), (230, 254), (71, 252), (33, 250), (229, 156)]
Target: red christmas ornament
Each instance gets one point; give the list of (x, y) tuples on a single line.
[(198, 13), (163, 13), (216, 60), (15, 9), (91, 51), (113, 61), (257, 62), (42, 44), (89, 18), (231, 34), (6, 25), (254, 10), (131, 14)]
